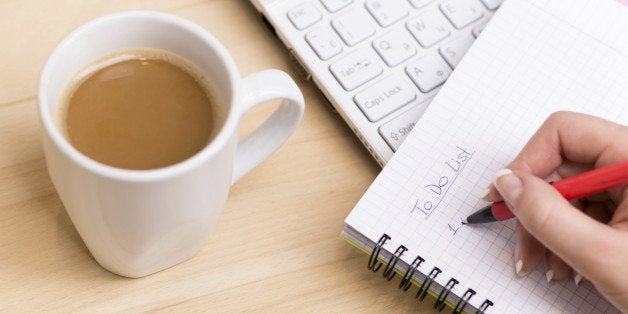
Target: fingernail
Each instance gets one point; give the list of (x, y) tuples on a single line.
[(578, 279), (485, 197), (519, 269), (549, 275), (519, 264), (508, 184), (500, 173)]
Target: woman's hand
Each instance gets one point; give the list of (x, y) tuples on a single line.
[(589, 236)]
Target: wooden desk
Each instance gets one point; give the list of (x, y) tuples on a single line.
[(276, 246)]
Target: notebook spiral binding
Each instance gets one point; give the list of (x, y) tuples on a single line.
[(406, 281)]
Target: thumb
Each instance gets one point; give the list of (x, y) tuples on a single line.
[(577, 239)]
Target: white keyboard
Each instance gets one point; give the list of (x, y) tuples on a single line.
[(388, 58)]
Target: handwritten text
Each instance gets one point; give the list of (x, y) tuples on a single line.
[(436, 189)]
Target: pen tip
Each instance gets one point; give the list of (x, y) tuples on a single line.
[(481, 216)]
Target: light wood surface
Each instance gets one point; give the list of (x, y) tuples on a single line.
[(276, 246)]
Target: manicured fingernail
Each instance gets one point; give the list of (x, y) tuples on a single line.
[(578, 279), (500, 173), (508, 185), (485, 195), (519, 269), (549, 275)]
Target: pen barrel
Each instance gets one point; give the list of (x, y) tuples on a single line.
[(584, 184), (501, 211), (594, 181)]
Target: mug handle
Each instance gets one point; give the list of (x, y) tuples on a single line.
[(269, 136)]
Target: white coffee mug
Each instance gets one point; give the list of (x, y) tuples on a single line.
[(137, 222)]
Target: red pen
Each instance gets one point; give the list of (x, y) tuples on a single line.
[(584, 184)]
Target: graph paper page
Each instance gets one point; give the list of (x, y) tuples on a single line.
[(534, 58)]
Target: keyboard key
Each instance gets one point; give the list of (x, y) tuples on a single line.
[(396, 130), (324, 42), (462, 12), (335, 5), (356, 68), (477, 29), (354, 26), (454, 50), (387, 12), (420, 3), (428, 72), (429, 28), (395, 47), (492, 4), (384, 97), (304, 15)]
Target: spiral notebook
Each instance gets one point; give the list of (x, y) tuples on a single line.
[(534, 58)]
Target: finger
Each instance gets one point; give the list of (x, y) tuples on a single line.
[(600, 211), (492, 195), (529, 252), (565, 170), (555, 268), (549, 218), (577, 137), (577, 278), (569, 169)]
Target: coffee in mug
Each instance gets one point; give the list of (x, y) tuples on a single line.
[(140, 109), (138, 222)]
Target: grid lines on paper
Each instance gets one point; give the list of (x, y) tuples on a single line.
[(532, 60)]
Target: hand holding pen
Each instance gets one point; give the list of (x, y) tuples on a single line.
[(552, 229), (584, 184)]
